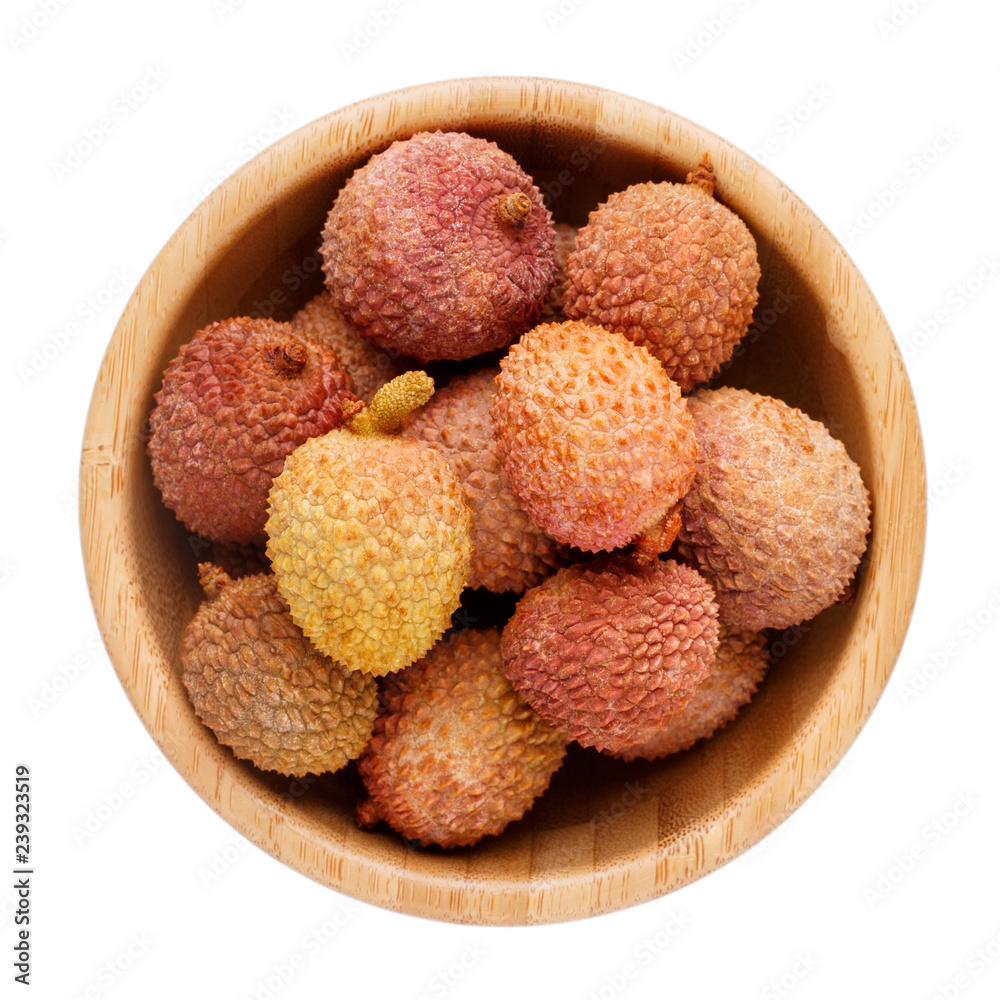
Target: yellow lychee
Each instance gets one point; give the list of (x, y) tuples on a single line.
[(369, 537)]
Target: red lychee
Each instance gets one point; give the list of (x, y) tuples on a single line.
[(440, 247), (237, 399), (607, 652)]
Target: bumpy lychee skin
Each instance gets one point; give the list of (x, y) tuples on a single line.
[(672, 269), (594, 437), (777, 518), (238, 398), (456, 754), (509, 553), (439, 248), (607, 652), (265, 692), (732, 679), (367, 364), (564, 246), (368, 537)]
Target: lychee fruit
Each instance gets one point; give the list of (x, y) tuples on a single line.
[(238, 398), (565, 242), (440, 247), (778, 515), (672, 269), (368, 536), (509, 552), (607, 652), (456, 754), (367, 364), (237, 560), (594, 437), (261, 687), (731, 681)]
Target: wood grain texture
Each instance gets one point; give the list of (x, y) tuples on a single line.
[(607, 834)]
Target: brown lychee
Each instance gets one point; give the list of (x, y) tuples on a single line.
[(595, 438), (509, 552), (608, 651), (238, 560), (440, 247), (564, 245), (261, 687), (778, 514), (367, 364), (731, 681), (670, 267), (368, 536), (456, 754), (238, 398)]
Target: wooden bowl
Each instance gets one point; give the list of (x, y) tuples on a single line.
[(606, 834)]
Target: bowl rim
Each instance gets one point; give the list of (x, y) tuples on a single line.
[(255, 811)]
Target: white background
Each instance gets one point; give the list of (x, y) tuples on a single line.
[(885, 883)]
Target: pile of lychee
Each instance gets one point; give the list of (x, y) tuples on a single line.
[(653, 529)]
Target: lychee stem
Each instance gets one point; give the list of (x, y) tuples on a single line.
[(391, 405), (213, 579), (704, 175), (367, 813), (658, 536), (289, 359), (513, 209)]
